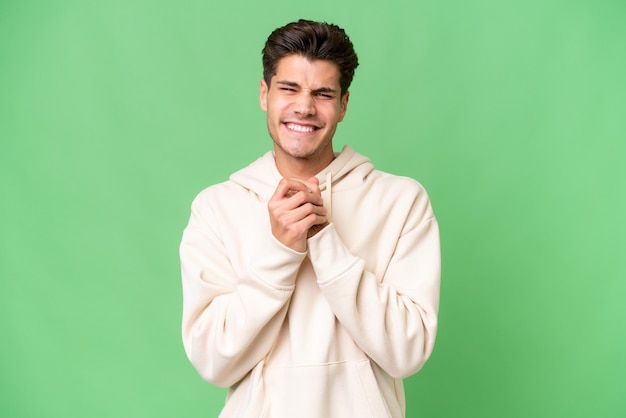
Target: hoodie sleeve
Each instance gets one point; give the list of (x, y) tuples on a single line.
[(393, 318), (230, 320)]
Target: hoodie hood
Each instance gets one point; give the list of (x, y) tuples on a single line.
[(349, 168)]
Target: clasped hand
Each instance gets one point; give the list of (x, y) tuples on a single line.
[(297, 212)]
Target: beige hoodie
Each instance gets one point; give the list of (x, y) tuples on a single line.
[(326, 333)]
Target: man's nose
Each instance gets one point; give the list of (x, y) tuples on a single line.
[(305, 104)]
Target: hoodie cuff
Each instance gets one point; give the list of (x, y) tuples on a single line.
[(329, 255), (276, 264)]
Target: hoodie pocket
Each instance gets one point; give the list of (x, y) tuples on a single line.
[(340, 390)]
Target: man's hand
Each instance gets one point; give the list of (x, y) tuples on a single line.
[(297, 212)]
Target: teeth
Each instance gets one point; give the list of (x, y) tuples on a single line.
[(300, 128)]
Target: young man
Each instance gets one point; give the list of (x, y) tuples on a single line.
[(310, 279)]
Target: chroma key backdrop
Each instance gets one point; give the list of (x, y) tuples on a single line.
[(115, 114)]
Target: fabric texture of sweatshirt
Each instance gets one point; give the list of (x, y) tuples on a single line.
[(327, 333)]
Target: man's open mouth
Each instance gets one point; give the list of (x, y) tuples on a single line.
[(300, 128)]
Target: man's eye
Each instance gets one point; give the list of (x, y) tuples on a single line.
[(289, 89), (325, 95)]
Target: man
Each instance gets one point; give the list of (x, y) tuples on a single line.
[(310, 279)]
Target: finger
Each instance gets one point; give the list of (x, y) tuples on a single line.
[(300, 198), (311, 221), (285, 187), (307, 187), (299, 220), (312, 184), (298, 185), (294, 215), (305, 210)]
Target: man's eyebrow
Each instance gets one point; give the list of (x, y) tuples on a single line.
[(318, 90), (325, 90), (288, 83)]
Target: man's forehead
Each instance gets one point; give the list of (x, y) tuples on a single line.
[(294, 67)]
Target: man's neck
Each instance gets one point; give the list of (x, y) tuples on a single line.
[(301, 168)]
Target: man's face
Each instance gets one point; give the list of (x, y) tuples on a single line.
[(304, 105)]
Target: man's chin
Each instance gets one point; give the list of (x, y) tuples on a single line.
[(298, 150)]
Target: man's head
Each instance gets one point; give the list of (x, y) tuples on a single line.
[(314, 41), (308, 67)]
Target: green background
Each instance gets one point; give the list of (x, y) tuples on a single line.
[(114, 114)]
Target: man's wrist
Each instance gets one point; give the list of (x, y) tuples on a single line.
[(315, 229)]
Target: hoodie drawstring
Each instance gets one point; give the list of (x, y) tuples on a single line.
[(328, 201)]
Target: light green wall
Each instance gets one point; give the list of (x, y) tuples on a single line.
[(114, 114)]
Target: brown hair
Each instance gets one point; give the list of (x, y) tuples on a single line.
[(314, 41)]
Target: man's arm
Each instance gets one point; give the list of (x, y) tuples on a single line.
[(393, 318), (230, 320)]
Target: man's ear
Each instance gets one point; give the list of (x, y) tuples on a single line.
[(344, 105), (263, 89)]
